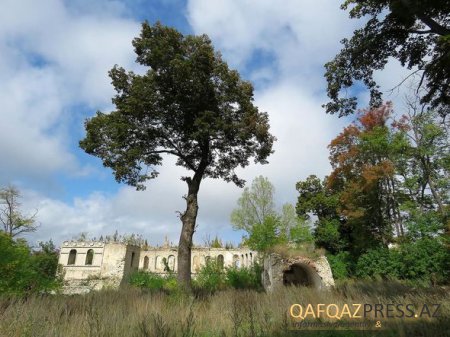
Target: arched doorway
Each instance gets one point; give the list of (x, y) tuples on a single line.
[(220, 261), (89, 257), (300, 274)]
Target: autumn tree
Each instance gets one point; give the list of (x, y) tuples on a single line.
[(14, 222), (364, 158), (415, 32), (188, 104)]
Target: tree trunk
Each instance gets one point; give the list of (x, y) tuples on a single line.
[(188, 220)]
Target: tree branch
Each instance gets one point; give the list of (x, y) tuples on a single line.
[(434, 26), (420, 31)]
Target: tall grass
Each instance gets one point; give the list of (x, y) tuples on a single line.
[(235, 313)]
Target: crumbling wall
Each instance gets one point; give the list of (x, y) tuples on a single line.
[(298, 270)]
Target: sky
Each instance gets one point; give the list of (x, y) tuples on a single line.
[(54, 61)]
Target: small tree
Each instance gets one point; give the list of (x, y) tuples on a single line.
[(188, 104), (254, 205), (266, 235), (13, 221)]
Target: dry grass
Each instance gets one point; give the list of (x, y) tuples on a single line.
[(131, 312)]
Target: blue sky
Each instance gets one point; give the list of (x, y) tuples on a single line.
[(55, 56)]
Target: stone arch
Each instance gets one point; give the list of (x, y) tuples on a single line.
[(220, 261), (251, 259), (72, 257), (246, 260), (195, 263), (158, 263), (89, 257), (207, 259), (171, 262), (236, 262), (132, 259), (301, 274), (146, 261)]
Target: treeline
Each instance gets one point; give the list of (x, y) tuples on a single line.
[(24, 271), (384, 208)]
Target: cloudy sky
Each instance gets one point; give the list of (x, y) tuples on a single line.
[(54, 59)]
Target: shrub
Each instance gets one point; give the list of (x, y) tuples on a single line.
[(244, 278), (23, 272), (379, 262), (425, 260), (341, 265), (147, 280), (211, 276)]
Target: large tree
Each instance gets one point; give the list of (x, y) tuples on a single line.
[(188, 104), (364, 158), (415, 32)]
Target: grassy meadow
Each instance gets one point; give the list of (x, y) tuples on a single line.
[(244, 313)]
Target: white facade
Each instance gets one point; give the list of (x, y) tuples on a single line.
[(88, 265)]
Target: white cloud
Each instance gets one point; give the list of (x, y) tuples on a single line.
[(78, 45), (302, 35), (53, 59), (303, 133)]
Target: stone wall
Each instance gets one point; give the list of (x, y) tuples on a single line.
[(299, 270), (112, 263), (152, 259)]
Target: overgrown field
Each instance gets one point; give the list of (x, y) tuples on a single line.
[(134, 312)]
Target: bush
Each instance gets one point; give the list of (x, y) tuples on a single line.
[(211, 277), (22, 272), (379, 262), (147, 280), (244, 278), (425, 261), (341, 265)]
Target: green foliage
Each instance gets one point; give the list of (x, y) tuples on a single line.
[(300, 233), (265, 235), (379, 262), (314, 197), (188, 104), (13, 221), (266, 227), (254, 205), (44, 262), (327, 235), (341, 265), (23, 272), (422, 225), (425, 260), (416, 33), (244, 278), (216, 243), (211, 277), (147, 280)]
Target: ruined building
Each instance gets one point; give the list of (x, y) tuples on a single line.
[(93, 265)]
